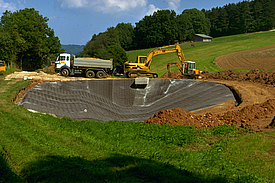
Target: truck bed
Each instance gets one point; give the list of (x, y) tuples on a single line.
[(93, 63)]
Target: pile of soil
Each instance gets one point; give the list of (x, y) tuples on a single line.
[(256, 113), (263, 77), (246, 117), (50, 69), (172, 75)]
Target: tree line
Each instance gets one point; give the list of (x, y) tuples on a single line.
[(243, 17), (164, 27), (26, 40)]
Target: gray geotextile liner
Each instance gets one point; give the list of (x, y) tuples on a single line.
[(105, 100)]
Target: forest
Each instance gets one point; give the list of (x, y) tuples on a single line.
[(164, 27)]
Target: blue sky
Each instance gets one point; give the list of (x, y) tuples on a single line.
[(76, 21)]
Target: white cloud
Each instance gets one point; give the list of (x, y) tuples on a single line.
[(174, 4), (7, 6), (73, 3), (106, 6), (151, 9)]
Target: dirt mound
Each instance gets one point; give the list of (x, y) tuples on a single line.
[(255, 112), (171, 75), (263, 77), (246, 117)]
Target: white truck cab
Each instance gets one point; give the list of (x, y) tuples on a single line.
[(63, 59)]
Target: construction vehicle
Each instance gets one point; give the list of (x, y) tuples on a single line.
[(92, 67), (2, 65), (141, 68), (187, 68)]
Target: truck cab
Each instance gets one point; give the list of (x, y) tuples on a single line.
[(63, 60)]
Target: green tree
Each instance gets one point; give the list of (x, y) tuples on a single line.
[(106, 45), (126, 33), (156, 30), (234, 18), (246, 17), (184, 27), (33, 41), (268, 14), (101, 41), (198, 20)]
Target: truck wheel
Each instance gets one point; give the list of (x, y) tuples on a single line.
[(100, 74), (90, 74), (65, 72)]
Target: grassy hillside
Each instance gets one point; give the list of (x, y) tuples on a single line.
[(205, 53), (36, 147)]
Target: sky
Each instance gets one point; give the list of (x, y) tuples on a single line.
[(76, 21)]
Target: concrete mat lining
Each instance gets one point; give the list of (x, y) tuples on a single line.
[(105, 100)]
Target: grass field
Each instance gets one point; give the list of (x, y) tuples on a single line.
[(205, 53), (37, 147)]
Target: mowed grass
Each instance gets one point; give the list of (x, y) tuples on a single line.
[(205, 53), (36, 147)]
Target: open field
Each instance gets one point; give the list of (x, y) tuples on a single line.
[(38, 147)]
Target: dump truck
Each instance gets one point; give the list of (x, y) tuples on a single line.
[(2, 65), (68, 65)]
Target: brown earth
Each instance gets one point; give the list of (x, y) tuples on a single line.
[(260, 58), (256, 110)]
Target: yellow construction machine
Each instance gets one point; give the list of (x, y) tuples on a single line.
[(2, 65), (141, 68), (187, 68)]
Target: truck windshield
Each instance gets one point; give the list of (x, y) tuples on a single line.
[(2, 63), (62, 58)]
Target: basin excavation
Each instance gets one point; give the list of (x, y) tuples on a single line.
[(122, 99)]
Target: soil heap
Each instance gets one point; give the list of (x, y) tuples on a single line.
[(258, 116)]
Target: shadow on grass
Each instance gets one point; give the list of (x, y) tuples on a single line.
[(6, 173), (117, 168)]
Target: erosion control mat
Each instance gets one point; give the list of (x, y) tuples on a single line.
[(121, 99)]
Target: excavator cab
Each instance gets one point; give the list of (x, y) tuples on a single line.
[(189, 68)]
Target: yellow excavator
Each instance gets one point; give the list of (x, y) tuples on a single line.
[(141, 68)]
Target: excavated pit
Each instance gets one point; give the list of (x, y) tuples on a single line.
[(121, 99)]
